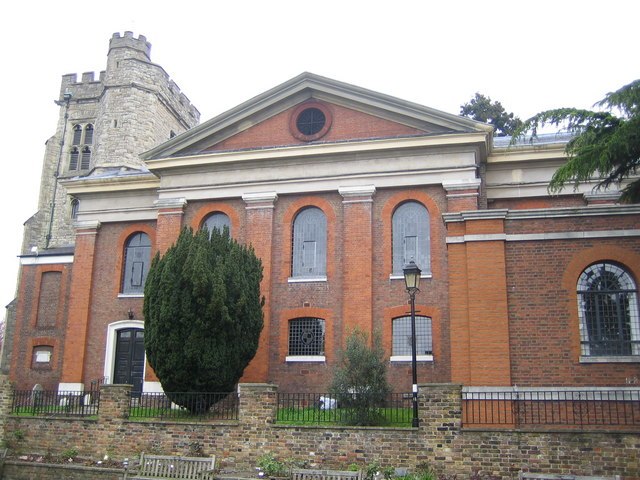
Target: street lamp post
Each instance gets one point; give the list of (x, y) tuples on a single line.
[(412, 281)]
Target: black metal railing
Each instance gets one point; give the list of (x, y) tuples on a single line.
[(54, 402), (575, 408), (184, 406), (325, 408)]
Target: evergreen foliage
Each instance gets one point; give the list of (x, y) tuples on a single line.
[(203, 314), (605, 145), (360, 381), (481, 109)]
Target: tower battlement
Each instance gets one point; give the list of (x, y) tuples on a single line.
[(129, 41)]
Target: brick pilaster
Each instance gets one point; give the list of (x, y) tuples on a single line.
[(462, 196), (478, 298), (169, 223), (357, 258), (259, 221), (79, 307), (114, 402)]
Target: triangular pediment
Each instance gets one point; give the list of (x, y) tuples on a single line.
[(271, 120)]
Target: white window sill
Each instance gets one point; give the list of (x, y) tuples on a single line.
[(307, 279), (610, 359), (401, 277), (305, 358), (407, 358), (131, 295)]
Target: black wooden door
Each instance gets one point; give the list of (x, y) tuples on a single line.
[(129, 367)]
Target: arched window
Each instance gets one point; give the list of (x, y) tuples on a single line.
[(86, 158), (88, 134), (137, 258), (77, 135), (75, 205), (608, 311), (401, 335), (410, 237), (306, 337), (73, 159), (217, 220), (310, 244)]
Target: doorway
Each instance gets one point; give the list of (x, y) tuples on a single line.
[(129, 359)]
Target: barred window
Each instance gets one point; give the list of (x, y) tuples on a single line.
[(217, 220), (608, 311), (80, 153), (306, 336), (73, 159), (137, 257), (410, 237), (310, 243), (402, 336)]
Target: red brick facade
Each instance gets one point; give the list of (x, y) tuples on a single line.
[(500, 289)]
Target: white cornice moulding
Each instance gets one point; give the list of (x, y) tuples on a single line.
[(357, 191), (462, 185), (179, 202), (46, 259), (87, 225), (260, 197)]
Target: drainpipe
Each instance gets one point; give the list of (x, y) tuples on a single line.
[(67, 98)]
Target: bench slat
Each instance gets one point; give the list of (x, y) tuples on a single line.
[(185, 468)]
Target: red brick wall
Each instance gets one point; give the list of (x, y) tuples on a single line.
[(347, 124), (543, 310)]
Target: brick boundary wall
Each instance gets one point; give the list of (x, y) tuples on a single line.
[(439, 441)]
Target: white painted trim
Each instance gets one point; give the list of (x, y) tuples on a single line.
[(110, 348), (407, 358), (528, 237), (357, 191), (131, 295), (307, 279), (610, 359), (178, 202), (305, 358), (259, 197), (46, 259)]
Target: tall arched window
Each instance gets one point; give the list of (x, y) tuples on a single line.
[(137, 258), (608, 311), (217, 220), (77, 135), (310, 244), (410, 237), (88, 134), (75, 206)]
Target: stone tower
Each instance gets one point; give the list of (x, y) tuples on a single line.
[(103, 125)]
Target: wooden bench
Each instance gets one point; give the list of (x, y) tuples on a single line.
[(306, 474), (552, 476), (153, 467)]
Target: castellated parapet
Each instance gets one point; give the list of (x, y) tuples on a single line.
[(131, 107)]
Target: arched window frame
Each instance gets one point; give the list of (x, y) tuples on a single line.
[(410, 237), (137, 260), (88, 134), (307, 336), (616, 312), (401, 338), (309, 245), (218, 220), (75, 207), (77, 135)]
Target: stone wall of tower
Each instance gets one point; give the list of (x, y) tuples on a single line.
[(133, 106), (141, 106)]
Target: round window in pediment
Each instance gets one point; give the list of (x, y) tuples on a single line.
[(310, 121)]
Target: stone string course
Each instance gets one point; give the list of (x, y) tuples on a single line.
[(440, 441)]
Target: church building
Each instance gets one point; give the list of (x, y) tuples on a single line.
[(337, 188)]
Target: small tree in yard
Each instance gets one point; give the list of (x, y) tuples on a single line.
[(203, 315), (360, 382)]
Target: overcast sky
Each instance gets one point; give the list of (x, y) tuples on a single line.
[(530, 56)]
